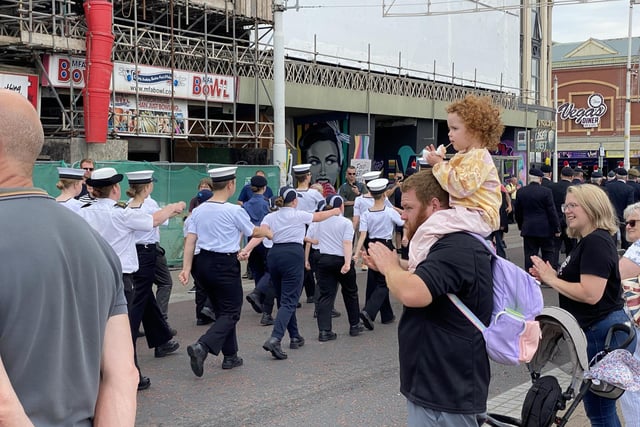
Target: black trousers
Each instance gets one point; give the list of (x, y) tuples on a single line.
[(377, 293), (219, 276), (202, 300), (163, 281), (543, 246), (328, 276), (144, 307)]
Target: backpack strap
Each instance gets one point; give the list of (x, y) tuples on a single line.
[(459, 304), (467, 312)]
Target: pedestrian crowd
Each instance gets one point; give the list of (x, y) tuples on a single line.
[(413, 236)]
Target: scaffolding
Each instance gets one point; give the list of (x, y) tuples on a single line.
[(205, 36)]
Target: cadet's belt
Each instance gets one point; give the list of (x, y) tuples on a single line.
[(145, 245), (227, 254)]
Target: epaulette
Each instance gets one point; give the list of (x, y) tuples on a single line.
[(121, 205)]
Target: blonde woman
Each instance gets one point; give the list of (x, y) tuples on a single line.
[(588, 281), (70, 186)]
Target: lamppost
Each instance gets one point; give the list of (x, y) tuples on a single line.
[(627, 109), (555, 142)]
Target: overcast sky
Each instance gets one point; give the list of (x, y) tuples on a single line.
[(606, 20)]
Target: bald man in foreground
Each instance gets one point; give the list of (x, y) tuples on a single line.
[(66, 354)]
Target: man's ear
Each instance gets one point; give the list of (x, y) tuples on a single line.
[(435, 203)]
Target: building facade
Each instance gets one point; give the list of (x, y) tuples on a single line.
[(192, 81), (591, 78)]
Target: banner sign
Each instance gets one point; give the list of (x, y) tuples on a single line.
[(152, 118), (25, 84), (587, 117), (63, 71)]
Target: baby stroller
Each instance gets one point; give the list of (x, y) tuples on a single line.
[(562, 353)]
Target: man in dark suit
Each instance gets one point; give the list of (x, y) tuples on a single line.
[(632, 180), (621, 195), (537, 219), (559, 191), (546, 179), (578, 175)]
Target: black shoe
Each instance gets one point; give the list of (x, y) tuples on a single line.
[(192, 290), (296, 342), (254, 300), (204, 321), (174, 332), (140, 334), (386, 322), (266, 320), (166, 348), (299, 304), (198, 353), (327, 336), (206, 311), (230, 362), (335, 313), (366, 320), (311, 299), (355, 330), (144, 383), (273, 345)]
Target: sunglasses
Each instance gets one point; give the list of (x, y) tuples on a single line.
[(351, 174), (631, 223), (88, 169)]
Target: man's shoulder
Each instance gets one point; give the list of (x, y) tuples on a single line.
[(455, 242)]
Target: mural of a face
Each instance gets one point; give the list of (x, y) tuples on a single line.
[(325, 161)]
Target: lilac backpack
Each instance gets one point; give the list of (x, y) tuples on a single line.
[(513, 335)]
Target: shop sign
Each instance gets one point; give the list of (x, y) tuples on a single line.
[(64, 71), (25, 84), (586, 117), (578, 154)]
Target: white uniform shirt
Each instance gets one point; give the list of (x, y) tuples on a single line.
[(308, 200), (117, 225), (150, 207), (288, 224), (380, 224), (312, 233), (219, 226), (73, 204), (331, 234), (185, 231), (362, 203)]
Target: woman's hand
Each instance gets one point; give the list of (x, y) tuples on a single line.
[(243, 255), (183, 276), (542, 271), (345, 268)]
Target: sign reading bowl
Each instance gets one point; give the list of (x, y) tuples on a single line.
[(63, 71), (587, 117)]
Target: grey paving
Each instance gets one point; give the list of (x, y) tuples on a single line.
[(346, 382)]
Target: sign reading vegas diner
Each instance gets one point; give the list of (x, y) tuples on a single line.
[(587, 117)]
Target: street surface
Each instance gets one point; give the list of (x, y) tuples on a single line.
[(352, 381)]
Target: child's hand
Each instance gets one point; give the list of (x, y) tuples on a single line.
[(432, 155)]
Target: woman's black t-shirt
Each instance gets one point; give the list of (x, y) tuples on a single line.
[(594, 254)]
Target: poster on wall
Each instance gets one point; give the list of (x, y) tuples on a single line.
[(65, 71), (153, 117), (324, 144), (25, 84)]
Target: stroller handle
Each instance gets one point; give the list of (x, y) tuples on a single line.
[(619, 327)]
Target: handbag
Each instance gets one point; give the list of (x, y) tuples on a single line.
[(631, 294)]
